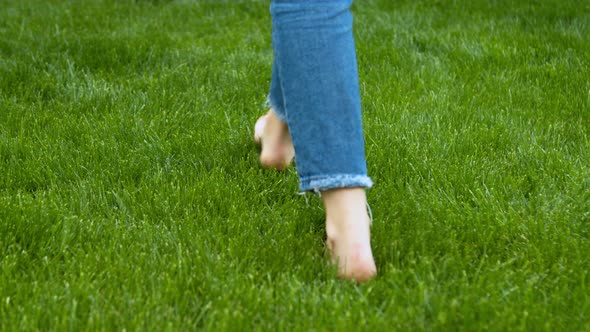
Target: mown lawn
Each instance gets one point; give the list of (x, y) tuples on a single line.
[(131, 197)]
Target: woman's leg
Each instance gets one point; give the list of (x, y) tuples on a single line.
[(315, 91)]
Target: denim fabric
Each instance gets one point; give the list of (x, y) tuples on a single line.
[(315, 90)]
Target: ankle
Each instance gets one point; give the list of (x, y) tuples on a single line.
[(345, 203)]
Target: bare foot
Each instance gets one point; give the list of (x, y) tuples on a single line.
[(348, 230), (277, 147)]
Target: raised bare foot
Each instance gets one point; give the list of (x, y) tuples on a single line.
[(348, 230), (277, 147)]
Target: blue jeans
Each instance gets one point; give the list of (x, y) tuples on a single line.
[(315, 91)]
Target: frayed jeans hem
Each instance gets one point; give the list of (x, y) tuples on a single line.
[(323, 183), (279, 112)]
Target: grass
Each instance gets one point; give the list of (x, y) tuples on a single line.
[(131, 198)]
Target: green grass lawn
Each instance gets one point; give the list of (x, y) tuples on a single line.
[(131, 197)]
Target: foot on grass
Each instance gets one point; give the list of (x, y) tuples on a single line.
[(273, 135), (348, 230)]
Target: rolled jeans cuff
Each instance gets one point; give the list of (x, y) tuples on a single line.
[(323, 183)]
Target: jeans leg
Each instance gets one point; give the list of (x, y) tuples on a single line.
[(275, 97), (315, 60)]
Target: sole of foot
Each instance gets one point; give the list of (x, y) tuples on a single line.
[(277, 147)]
